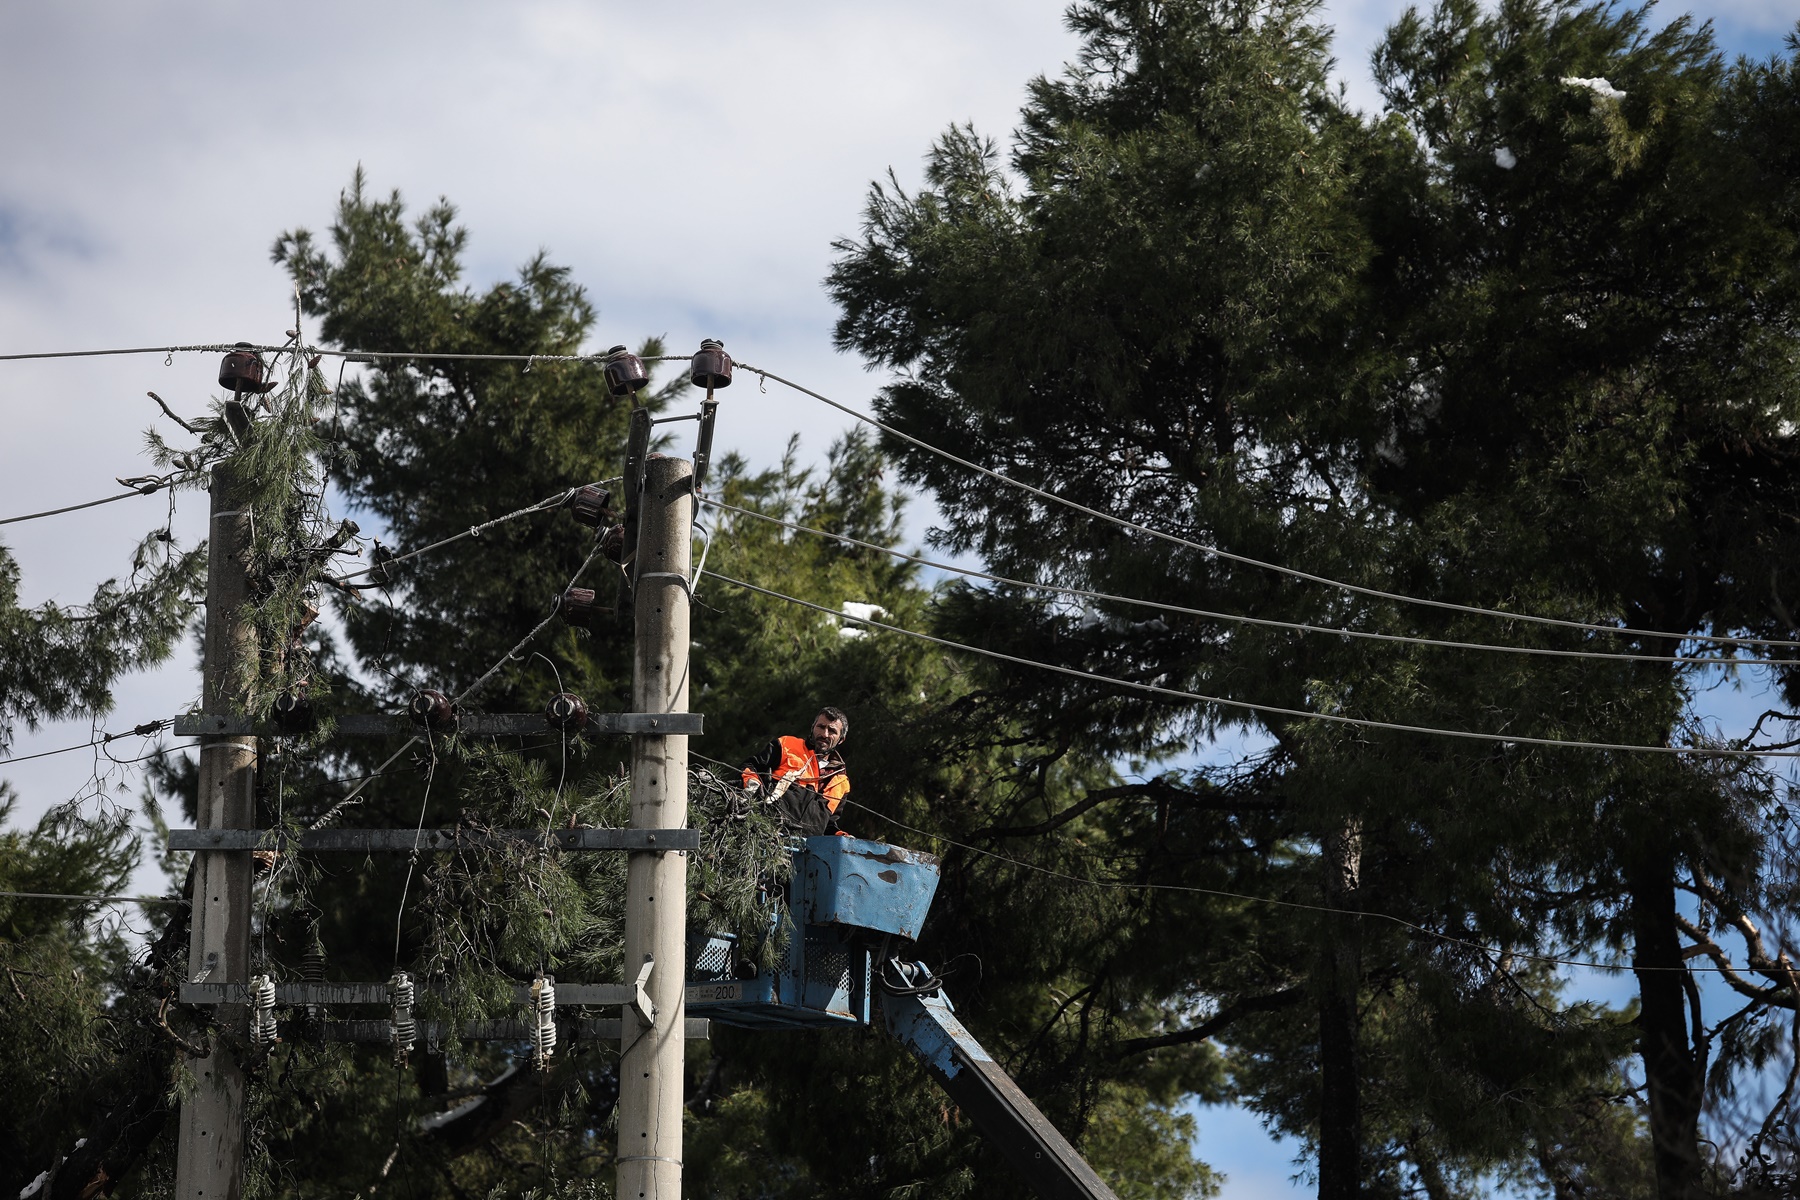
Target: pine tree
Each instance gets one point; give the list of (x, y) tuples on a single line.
[(1505, 344)]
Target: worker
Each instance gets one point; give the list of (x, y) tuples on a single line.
[(803, 779)]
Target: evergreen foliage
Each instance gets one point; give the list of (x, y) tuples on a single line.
[(1506, 343), (1525, 340)]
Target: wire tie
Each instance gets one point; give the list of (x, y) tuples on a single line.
[(169, 359)]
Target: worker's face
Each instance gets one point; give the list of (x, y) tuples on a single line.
[(826, 733)]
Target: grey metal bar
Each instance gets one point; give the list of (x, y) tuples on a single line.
[(404, 841), (568, 995), (475, 724), (595, 1029)]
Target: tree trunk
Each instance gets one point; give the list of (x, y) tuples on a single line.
[(1340, 978), (1672, 1075)]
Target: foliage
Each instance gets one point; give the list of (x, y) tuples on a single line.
[(1504, 344), (58, 662)]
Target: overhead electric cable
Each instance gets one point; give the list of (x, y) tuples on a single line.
[(1271, 709), (100, 899), (1238, 618), (352, 355), (145, 729), (331, 814), (1245, 560), (1452, 939), (52, 512), (147, 486), (1115, 885), (545, 505)]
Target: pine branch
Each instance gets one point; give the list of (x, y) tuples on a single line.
[(1224, 1018)]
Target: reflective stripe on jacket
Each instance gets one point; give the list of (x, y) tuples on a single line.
[(790, 758)]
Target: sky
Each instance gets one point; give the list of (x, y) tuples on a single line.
[(691, 162)]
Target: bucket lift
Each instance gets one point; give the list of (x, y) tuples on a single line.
[(849, 901)]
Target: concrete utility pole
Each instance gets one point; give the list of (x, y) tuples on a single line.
[(652, 1050), (209, 1159)]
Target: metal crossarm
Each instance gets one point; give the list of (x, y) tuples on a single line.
[(473, 724), (405, 841), (599, 1029), (568, 995)]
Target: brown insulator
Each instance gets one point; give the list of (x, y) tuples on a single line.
[(612, 543), (577, 606), (588, 505), (433, 710), (711, 366), (567, 712), (243, 371), (625, 372), (292, 713)]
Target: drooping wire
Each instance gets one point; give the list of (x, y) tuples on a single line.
[(1237, 618), (332, 813), (547, 504), (96, 899), (513, 654), (53, 512), (1298, 905), (350, 355), (1245, 560), (143, 730), (149, 486), (1253, 706), (412, 860)]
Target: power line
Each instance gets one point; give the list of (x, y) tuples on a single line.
[(143, 730), (1290, 572), (1239, 618), (352, 355), (1114, 885), (117, 900), (221, 348), (544, 505), (1269, 709), (149, 488), (1121, 522), (101, 899), (331, 813)]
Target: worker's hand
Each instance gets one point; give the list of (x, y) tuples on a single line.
[(753, 786)]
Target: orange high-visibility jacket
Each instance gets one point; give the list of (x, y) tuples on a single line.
[(792, 759)]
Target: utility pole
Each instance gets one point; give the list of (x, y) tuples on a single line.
[(209, 1159), (652, 1053)]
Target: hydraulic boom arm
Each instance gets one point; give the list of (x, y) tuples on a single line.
[(921, 1016)]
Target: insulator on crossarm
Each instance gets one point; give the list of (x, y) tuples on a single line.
[(711, 366), (612, 544), (567, 712), (543, 1020), (262, 1011), (625, 372), (580, 608), (589, 505), (243, 371), (292, 713), (433, 710), (403, 1029)]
